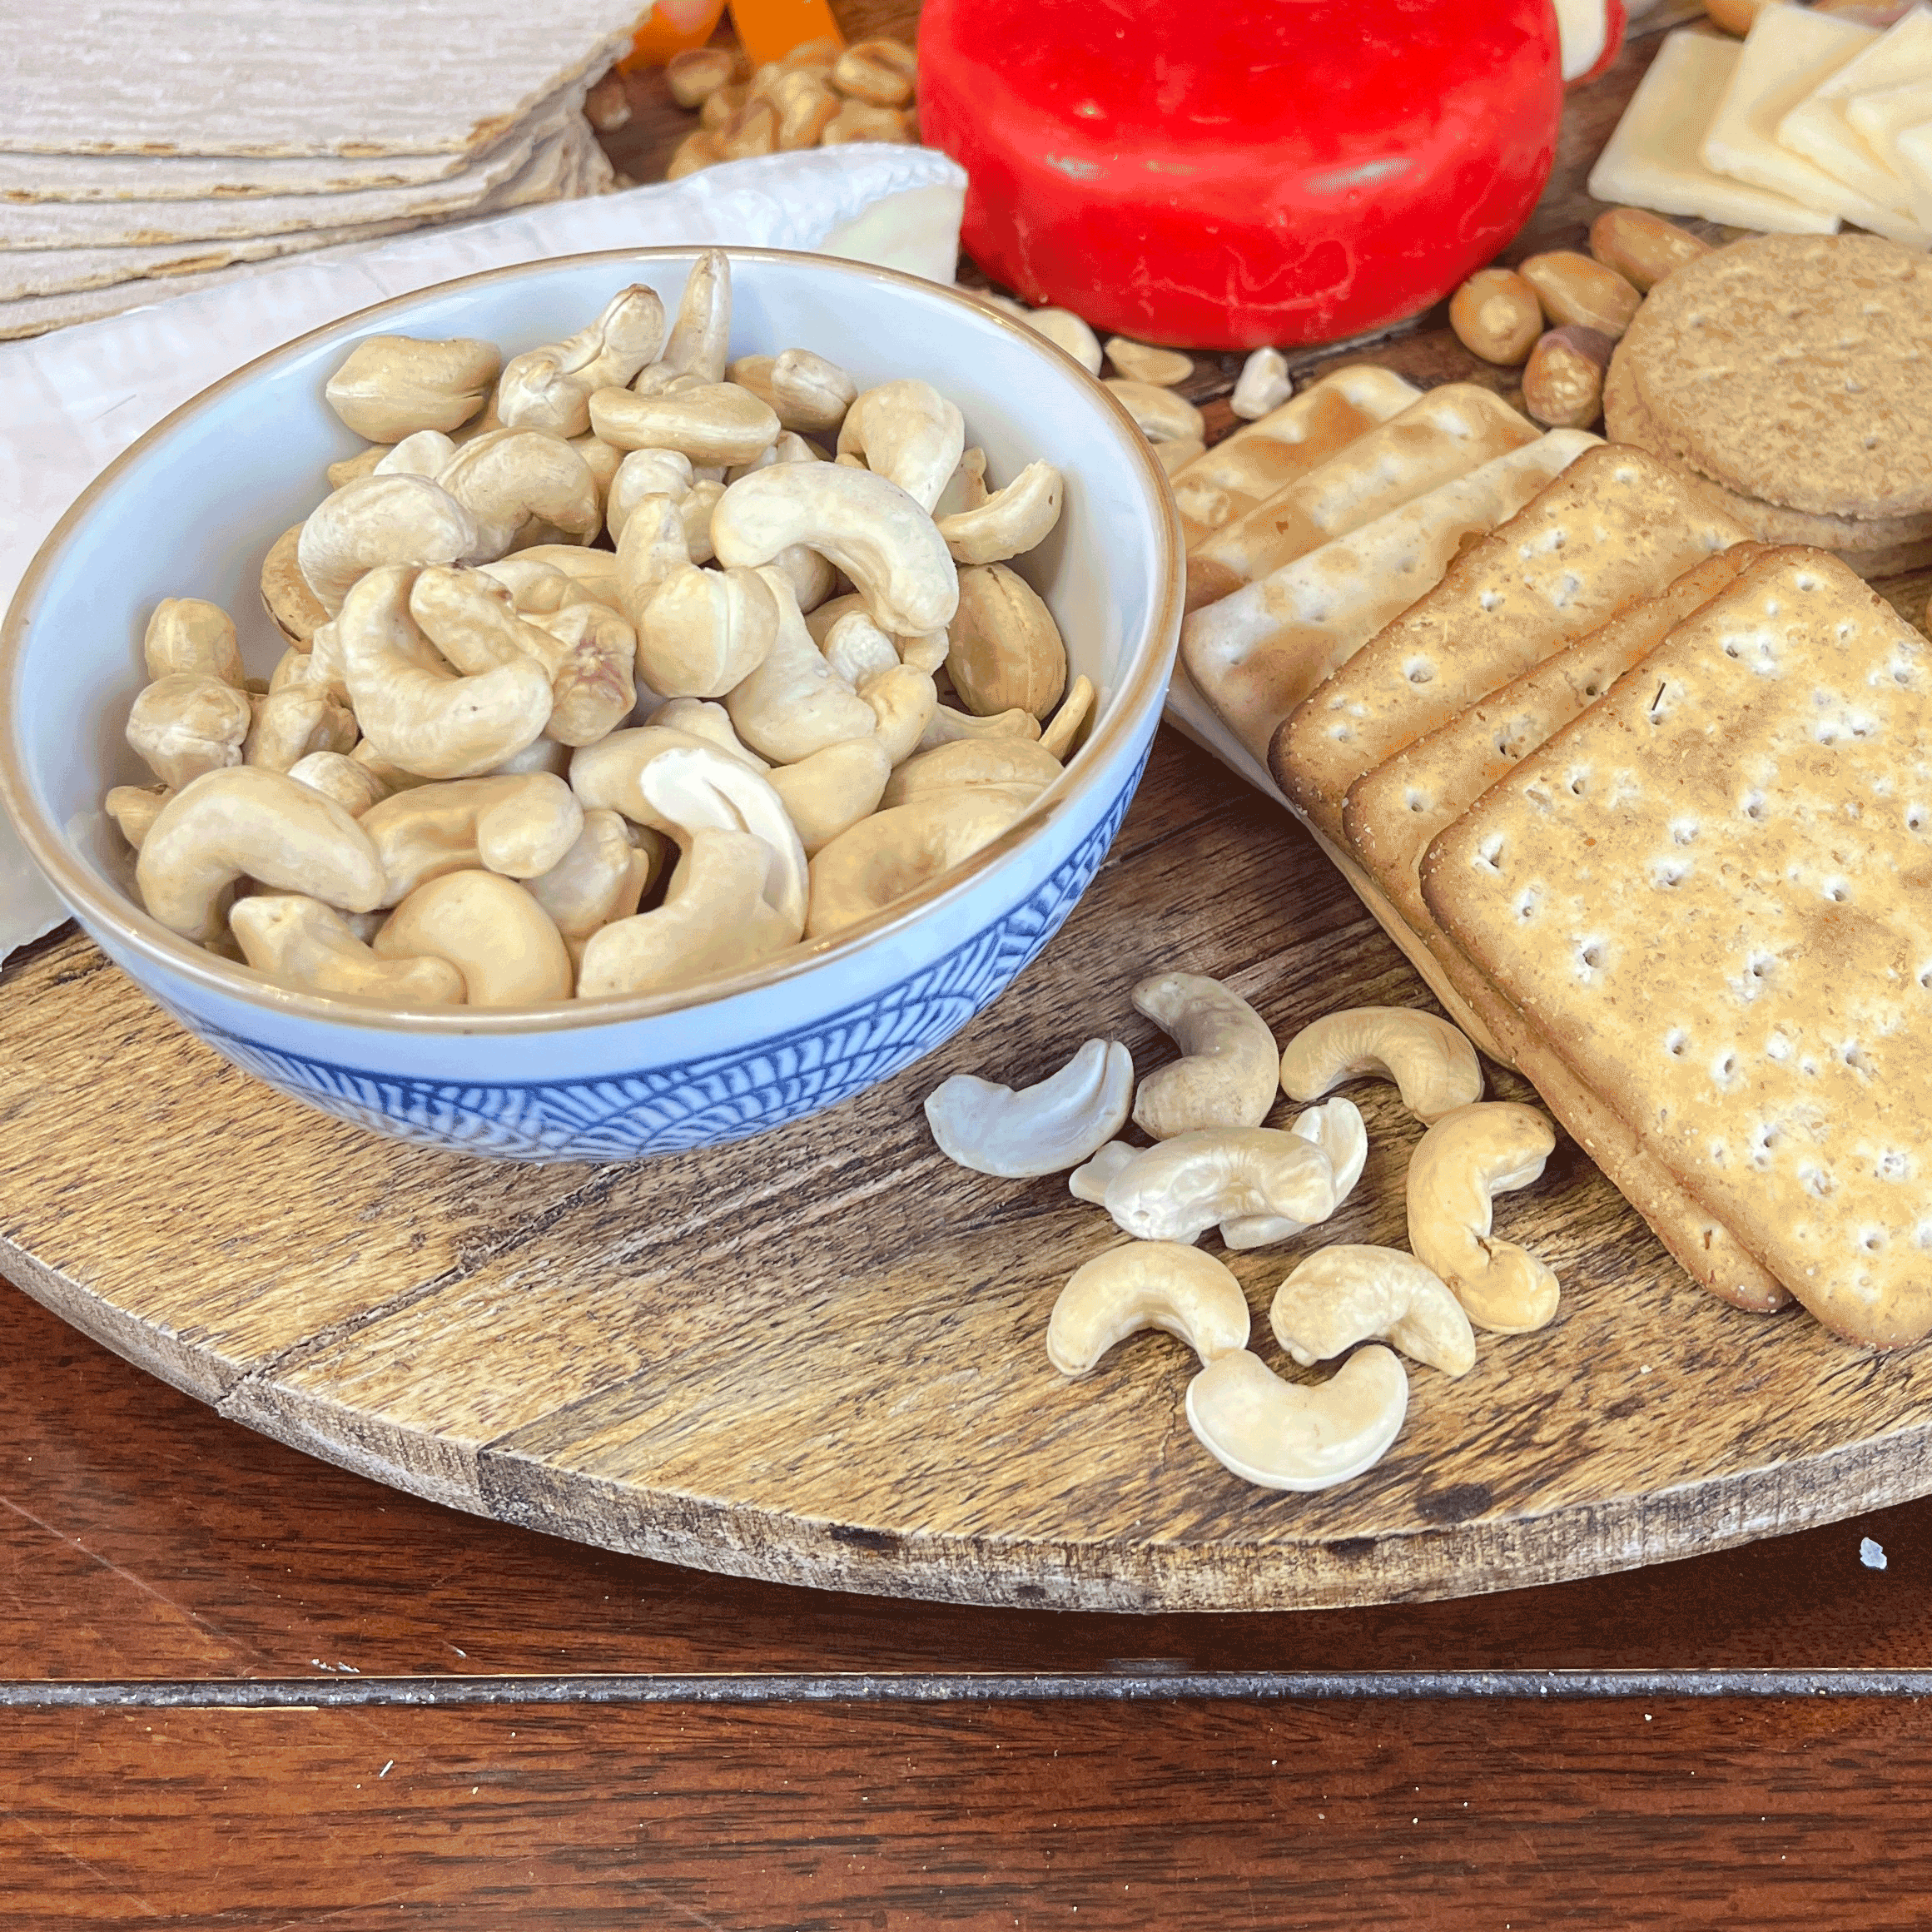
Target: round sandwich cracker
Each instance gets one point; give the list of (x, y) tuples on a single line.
[(1627, 418), (1796, 369)]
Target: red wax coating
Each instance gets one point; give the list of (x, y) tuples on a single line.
[(1222, 176)]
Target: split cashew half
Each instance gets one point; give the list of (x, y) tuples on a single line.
[(492, 931), (1146, 1284), (1004, 650), (264, 826), (1337, 1127), (1345, 1293), (907, 430), (1282, 1435), (1466, 1158), (1177, 1190), (550, 388), (300, 942), (1227, 1078), (865, 525), (1435, 1067), (1044, 1129)]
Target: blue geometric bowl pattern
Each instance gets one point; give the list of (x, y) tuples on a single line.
[(701, 1103)]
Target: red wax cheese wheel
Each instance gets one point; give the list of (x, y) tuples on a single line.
[(1222, 176)]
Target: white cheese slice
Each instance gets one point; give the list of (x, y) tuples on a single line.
[(1914, 148), (1654, 159), (1884, 114), (1819, 129), (1789, 52)]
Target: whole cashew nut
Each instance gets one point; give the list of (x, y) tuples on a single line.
[(354, 786), (416, 712), (1228, 1075), (601, 878), (421, 453), (1055, 1125), (1010, 521), (1176, 1190), (187, 723), (831, 790), (521, 483), (704, 718), (1468, 1156), (392, 385), (1280, 1435), (188, 634), (1012, 761), (948, 726), (700, 336), (549, 388), (520, 826), (300, 942), (292, 723), (378, 520), (713, 422), (700, 632), (1345, 1293), (715, 919), (292, 607), (1336, 1127), (865, 525), (794, 703), (265, 826), (492, 931), (1058, 736), (1146, 1284), (1435, 1067), (908, 431), (883, 858), (646, 472), (592, 671)]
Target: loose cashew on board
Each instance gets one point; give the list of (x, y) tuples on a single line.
[(1429, 1061), (1345, 1293), (1466, 1158), (1227, 1077), (1177, 1190), (1146, 1284), (1282, 1435), (1337, 1127), (1045, 1129)]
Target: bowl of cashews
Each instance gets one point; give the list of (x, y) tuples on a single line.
[(605, 707)]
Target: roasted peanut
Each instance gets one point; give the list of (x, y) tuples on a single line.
[(1643, 248), (695, 75), (1496, 314), (755, 131), (1572, 288), (1563, 386), (880, 72), (857, 121), (695, 151), (721, 107), (805, 104)]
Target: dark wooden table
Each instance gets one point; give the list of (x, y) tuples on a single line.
[(242, 1688)]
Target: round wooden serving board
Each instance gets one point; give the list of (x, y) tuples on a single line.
[(818, 1357)]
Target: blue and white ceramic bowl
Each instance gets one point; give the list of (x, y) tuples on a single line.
[(189, 511)]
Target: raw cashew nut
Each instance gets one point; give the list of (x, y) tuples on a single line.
[(810, 394), (262, 825), (831, 791), (645, 472), (714, 422), (908, 431), (134, 808), (1089, 1182), (1061, 327), (354, 786), (300, 942), (696, 787), (715, 919), (294, 608), (1227, 1078), (378, 520), (1434, 1066), (1004, 651), (1336, 1127), (948, 726), (857, 648), (704, 718), (521, 485), (1146, 1284), (550, 388), (1346, 1293), (1009, 523), (865, 525), (601, 878), (893, 853), (1177, 1190), (416, 712), (490, 930), (1160, 415), (292, 723), (520, 826), (1010, 762), (392, 385), (422, 453), (1280, 1435), (592, 671), (1048, 1127), (794, 703), (1466, 1158), (902, 700), (187, 723), (700, 336), (186, 634), (700, 632), (1058, 736)]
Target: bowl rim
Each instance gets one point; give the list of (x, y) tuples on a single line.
[(96, 901)]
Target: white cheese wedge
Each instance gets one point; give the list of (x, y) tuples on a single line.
[(1819, 128), (1654, 160), (1789, 52), (1883, 115)]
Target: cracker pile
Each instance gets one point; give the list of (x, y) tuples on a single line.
[(171, 146), (1788, 375)]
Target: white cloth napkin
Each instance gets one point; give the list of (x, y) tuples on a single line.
[(76, 398)]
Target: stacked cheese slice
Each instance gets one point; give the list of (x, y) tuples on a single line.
[(1813, 120), (146, 149)]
